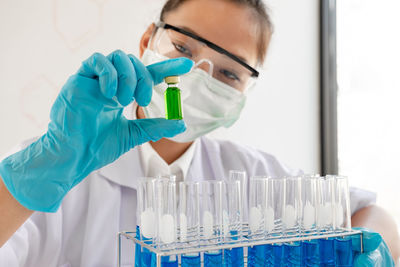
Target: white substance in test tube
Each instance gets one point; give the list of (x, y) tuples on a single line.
[(325, 215), (167, 229), (290, 216), (269, 219), (183, 226), (147, 226), (309, 215), (255, 219), (207, 224), (328, 213), (339, 215)]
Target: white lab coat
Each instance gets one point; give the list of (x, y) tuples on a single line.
[(83, 232)]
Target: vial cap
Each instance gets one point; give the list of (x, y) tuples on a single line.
[(172, 79)]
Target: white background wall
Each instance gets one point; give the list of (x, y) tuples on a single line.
[(43, 42), (369, 92)]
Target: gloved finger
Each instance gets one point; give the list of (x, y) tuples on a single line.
[(145, 130), (170, 67), (144, 87), (154, 74), (370, 240), (98, 66), (126, 76), (365, 260)]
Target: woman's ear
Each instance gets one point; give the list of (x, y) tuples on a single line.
[(144, 42)]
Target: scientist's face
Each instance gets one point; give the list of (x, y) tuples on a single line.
[(226, 24), (220, 77)]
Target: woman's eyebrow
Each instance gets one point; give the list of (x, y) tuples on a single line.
[(195, 33)]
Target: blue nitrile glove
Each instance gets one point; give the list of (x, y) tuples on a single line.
[(87, 129), (376, 253)]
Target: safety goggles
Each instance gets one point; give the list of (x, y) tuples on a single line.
[(222, 65)]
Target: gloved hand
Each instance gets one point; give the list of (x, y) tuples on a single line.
[(87, 129), (376, 253)]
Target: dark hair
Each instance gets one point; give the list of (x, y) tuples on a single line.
[(262, 17)]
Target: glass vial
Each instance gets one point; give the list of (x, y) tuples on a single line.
[(173, 108)]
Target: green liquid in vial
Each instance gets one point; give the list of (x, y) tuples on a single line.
[(173, 108)]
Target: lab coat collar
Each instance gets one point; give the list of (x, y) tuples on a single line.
[(206, 165), (151, 159), (126, 170)]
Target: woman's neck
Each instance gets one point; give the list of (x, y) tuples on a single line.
[(168, 150)]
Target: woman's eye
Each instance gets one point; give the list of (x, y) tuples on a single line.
[(230, 75), (182, 49)]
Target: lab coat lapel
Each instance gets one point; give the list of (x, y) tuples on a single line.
[(126, 170), (206, 165)]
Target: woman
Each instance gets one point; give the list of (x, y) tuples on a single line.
[(87, 132)]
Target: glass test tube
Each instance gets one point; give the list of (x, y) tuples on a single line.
[(231, 224), (147, 219), (165, 208), (211, 219), (276, 258), (292, 212), (325, 218), (344, 251), (309, 202), (147, 207), (167, 218), (311, 255), (257, 204), (292, 218), (232, 216), (138, 247), (235, 202), (342, 204), (343, 245), (276, 190), (269, 212), (210, 211), (293, 254), (242, 177), (326, 201), (189, 217), (166, 212)]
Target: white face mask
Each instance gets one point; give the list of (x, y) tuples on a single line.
[(207, 103)]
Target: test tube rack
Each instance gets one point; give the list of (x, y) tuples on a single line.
[(276, 237)]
